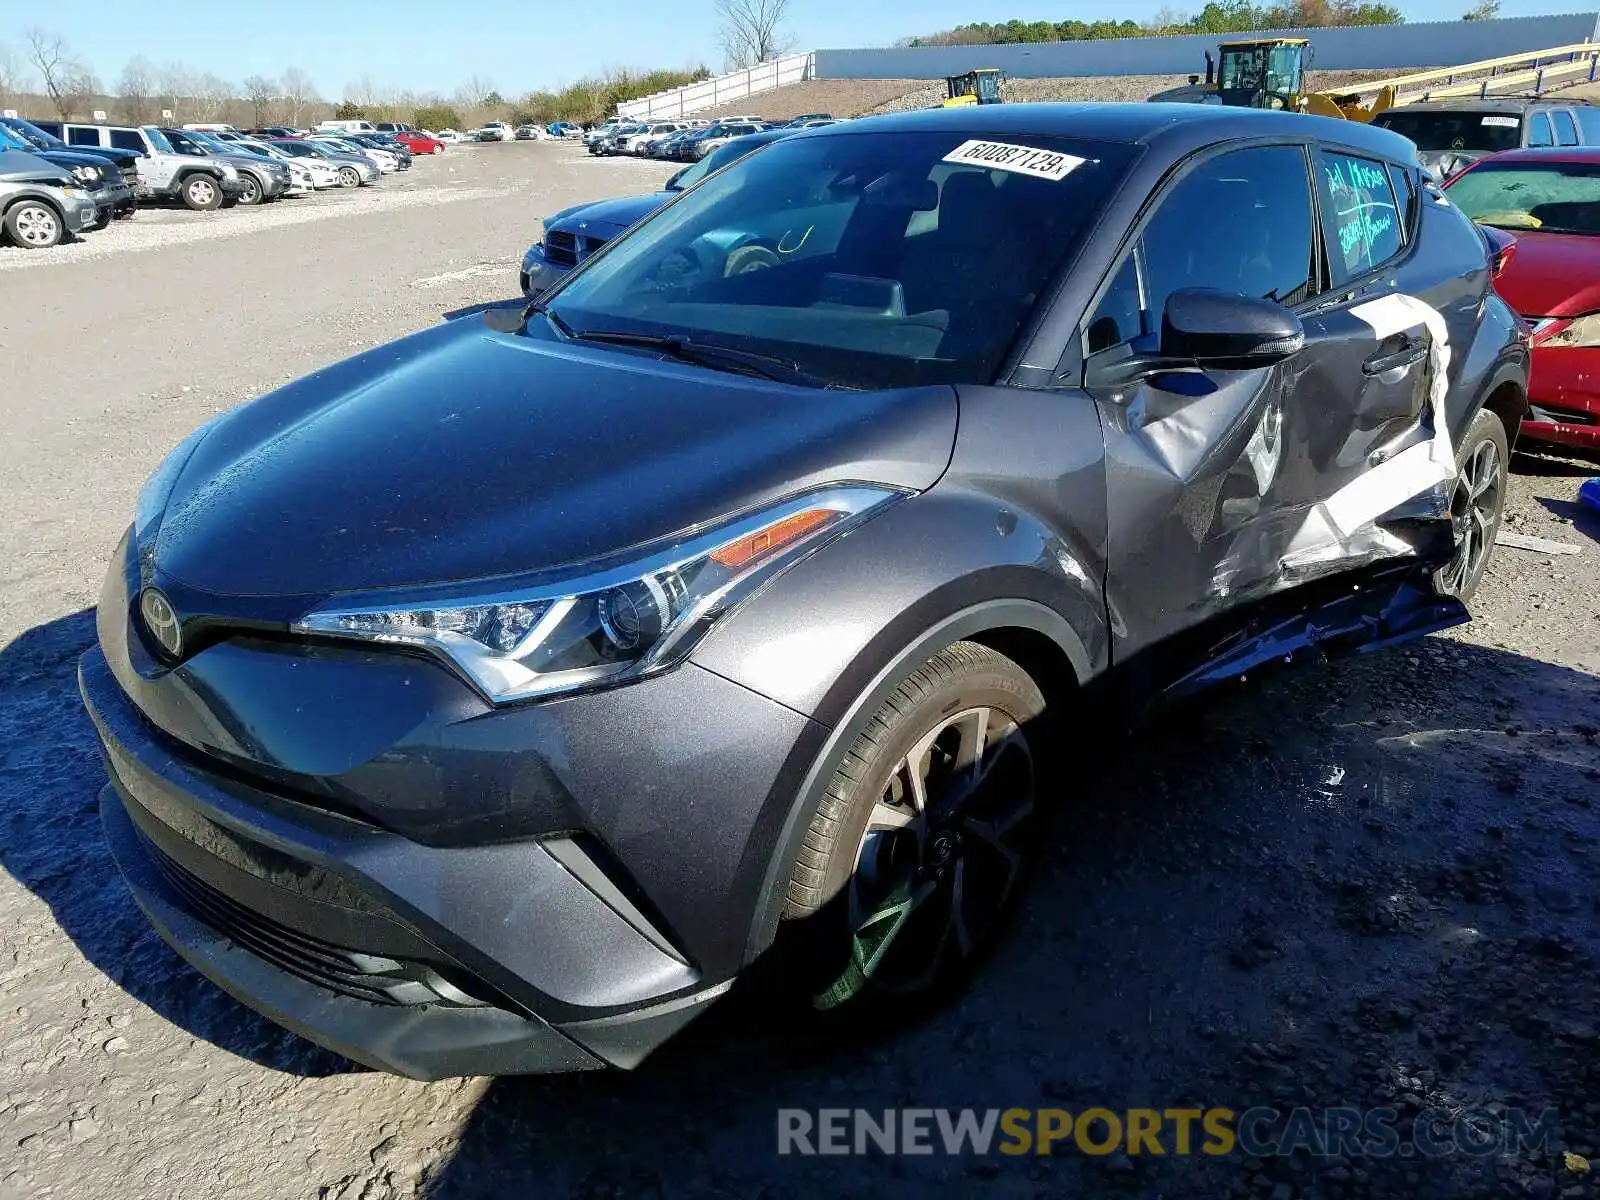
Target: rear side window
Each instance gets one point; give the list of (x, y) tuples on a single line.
[(126, 139), (1539, 131), (1256, 240), (1566, 130), (1364, 219), (78, 135), (1405, 194)]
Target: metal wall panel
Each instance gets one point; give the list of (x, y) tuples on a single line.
[(1431, 44)]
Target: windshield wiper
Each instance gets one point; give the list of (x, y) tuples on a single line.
[(704, 354)]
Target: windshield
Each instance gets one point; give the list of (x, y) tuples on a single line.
[(1553, 197), (866, 260), (1456, 130), (11, 140), (33, 135)]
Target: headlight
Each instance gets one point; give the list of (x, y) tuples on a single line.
[(73, 193), (1568, 332), (615, 624), (87, 175)]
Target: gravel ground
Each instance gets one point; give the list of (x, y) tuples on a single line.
[(1372, 884)]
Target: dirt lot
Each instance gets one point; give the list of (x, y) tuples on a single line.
[(1373, 885)]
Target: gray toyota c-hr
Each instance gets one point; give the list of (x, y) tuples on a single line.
[(490, 701)]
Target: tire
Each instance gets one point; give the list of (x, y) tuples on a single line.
[(34, 225), (1477, 504), (437, 150), (250, 192), (201, 193), (873, 896), (349, 177), (102, 222)]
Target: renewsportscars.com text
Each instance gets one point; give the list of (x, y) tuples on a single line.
[(1260, 1132)]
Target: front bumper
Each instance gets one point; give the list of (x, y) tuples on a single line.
[(354, 844), (81, 213), (1564, 397), (117, 198)]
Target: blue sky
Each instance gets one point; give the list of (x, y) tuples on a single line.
[(520, 46)]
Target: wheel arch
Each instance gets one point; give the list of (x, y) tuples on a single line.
[(42, 197), (1035, 636)]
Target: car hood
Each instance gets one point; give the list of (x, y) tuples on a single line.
[(616, 214), (72, 158), (466, 453), (1552, 274), (23, 166)]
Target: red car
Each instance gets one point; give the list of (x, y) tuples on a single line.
[(418, 143), (1549, 200)]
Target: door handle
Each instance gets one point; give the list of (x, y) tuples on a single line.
[(1412, 350)]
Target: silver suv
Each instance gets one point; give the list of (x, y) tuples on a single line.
[(164, 174)]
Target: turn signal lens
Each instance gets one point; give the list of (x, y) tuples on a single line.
[(774, 537)]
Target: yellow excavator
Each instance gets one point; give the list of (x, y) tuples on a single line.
[(1270, 73), (974, 87)]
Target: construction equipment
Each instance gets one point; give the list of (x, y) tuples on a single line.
[(1252, 73), (1270, 73), (981, 86)]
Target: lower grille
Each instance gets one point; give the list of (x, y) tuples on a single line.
[(368, 977)]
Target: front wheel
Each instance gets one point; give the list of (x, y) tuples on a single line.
[(924, 838), (250, 190), (34, 225), (201, 193), (1477, 505), (349, 177)]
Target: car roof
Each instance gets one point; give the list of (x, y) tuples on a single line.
[(1186, 125), (1571, 154)]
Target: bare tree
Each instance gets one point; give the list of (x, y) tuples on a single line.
[(299, 92), (471, 94), (10, 74), (175, 83), (50, 57), (362, 91), (752, 30), (260, 91), (135, 88), (211, 95)]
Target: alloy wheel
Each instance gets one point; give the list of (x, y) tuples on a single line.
[(942, 853), (1474, 515), (202, 192), (348, 177), (37, 226), (250, 192)]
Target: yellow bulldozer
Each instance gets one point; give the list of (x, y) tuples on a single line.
[(1270, 73), (981, 86)]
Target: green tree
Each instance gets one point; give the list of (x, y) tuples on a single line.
[(349, 110), (435, 116)]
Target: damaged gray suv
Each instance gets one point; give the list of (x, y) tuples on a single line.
[(491, 701)]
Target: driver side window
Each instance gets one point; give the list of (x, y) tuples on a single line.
[(1239, 222)]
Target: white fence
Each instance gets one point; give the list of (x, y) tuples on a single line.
[(735, 85)]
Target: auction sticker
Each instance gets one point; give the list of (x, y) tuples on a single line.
[(1503, 122), (1024, 160)]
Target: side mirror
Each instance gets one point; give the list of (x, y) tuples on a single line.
[(1222, 329)]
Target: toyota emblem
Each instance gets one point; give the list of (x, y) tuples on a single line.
[(162, 621)]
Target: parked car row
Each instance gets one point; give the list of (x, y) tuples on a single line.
[(688, 140), (65, 178)]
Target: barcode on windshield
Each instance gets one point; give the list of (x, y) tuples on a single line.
[(1024, 160)]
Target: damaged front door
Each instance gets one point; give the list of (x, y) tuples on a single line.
[(1210, 469)]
